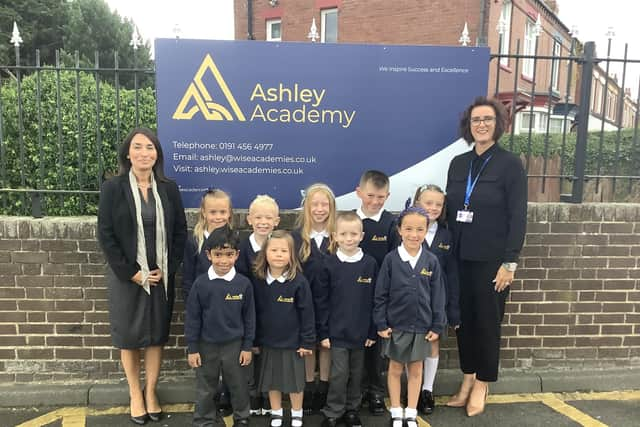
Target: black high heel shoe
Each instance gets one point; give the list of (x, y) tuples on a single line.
[(153, 416), (140, 420)]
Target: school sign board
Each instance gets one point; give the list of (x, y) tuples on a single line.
[(255, 117)]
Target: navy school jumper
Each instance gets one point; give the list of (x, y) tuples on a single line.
[(442, 248), (346, 292), (410, 299)]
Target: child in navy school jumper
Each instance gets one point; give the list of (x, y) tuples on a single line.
[(313, 234), (263, 218), (346, 289), (409, 311), (380, 238), (215, 212), (219, 329), (440, 242), (286, 324)]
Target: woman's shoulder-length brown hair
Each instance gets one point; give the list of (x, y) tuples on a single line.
[(501, 118)]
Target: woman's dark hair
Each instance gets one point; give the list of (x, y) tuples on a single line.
[(124, 164), (499, 110)]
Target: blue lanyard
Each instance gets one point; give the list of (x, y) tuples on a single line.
[(470, 185)]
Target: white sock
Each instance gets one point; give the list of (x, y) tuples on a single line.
[(429, 372), (277, 423), (396, 413), (298, 413), (411, 413)]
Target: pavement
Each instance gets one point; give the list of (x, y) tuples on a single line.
[(553, 398)]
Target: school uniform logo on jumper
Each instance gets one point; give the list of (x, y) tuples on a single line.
[(230, 297), (443, 246), (285, 299), (425, 272), (375, 238), (365, 280)]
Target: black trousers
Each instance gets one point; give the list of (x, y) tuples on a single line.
[(373, 381), (482, 311), (344, 394), (217, 358)]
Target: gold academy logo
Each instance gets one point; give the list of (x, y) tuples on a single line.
[(285, 299), (443, 246), (379, 238), (424, 272), (366, 280), (230, 297), (197, 97)]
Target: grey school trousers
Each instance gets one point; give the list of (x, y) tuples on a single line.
[(345, 379), (215, 358)]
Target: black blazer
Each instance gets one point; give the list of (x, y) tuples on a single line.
[(117, 226), (498, 203)]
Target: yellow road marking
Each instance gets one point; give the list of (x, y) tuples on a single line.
[(76, 416), (572, 413)]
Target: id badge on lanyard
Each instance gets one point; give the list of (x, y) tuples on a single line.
[(465, 215)]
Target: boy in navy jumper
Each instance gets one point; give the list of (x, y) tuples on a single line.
[(219, 329), (380, 238), (346, 290)]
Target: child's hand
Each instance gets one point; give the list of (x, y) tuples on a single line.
[(431, 336), (194, 360), (302, 352), (369, 343), (245, 358), (155, 276), (255, 350), (325, 343), (386, 333)]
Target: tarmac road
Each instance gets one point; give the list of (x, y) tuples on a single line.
[(596, 409)]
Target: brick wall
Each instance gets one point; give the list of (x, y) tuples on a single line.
[(576, 303)]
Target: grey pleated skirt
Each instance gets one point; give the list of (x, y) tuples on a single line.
[(405, 347), (281, 370)]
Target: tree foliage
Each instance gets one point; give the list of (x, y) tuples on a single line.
[(85, 26)]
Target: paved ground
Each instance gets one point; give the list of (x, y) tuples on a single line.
[(620, 408)]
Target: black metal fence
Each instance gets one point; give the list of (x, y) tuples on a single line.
[(60, 125), (594, 155)]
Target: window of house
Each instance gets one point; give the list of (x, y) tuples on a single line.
[(529, 48), (555, 125), (505, 15), (542, 123), (528, 120), (555, 65), (329, 26), (274, 30)]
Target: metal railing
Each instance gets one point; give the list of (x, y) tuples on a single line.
[(61, 124)]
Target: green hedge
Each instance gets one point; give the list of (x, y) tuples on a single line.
[(628, 157), (76, 145)]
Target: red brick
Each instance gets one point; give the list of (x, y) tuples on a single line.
[(35, 353), (29, 257), (34, 281), (612, 273), (65, 317), (558, 342), (12, 293), (73, 353), (590, 262), (73, 328), (604, 353), (598, 341), (619, 228), (584, 329), (35, 328)]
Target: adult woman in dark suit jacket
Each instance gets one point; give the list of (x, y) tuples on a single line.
[(488, 221), (142, 231)]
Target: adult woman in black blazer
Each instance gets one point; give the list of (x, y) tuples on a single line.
[(142, 231), (487, 200)]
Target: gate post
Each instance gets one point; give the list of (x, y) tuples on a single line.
[(588, 59)]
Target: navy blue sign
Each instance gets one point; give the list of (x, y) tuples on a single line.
[(271, 118)]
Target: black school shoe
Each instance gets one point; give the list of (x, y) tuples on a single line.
[(319, 401), (426, 403), (244, 422), (224, 405), (351, 419), (376, 405)]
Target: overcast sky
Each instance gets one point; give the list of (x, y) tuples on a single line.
[(213, 19)]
